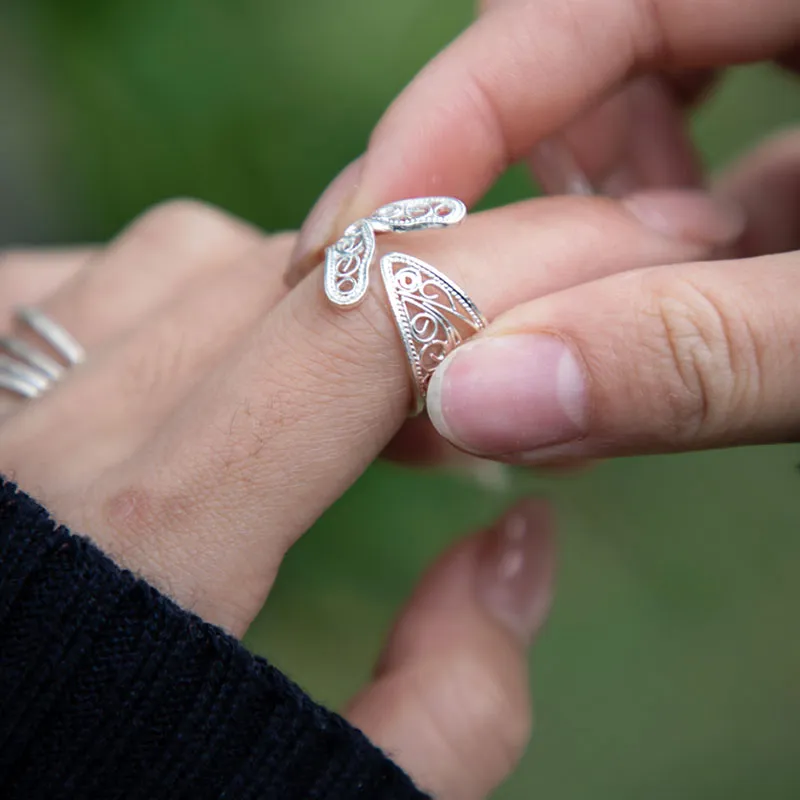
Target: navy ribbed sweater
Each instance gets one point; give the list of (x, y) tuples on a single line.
[(109, 690)]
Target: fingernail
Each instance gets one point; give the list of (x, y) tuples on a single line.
[(687, 214), (502, 395), (557, 170), (319, 229), (517, 564)]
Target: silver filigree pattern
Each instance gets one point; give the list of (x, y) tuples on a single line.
[(347, 262), (419, 214), (433, 315), (347, 265)]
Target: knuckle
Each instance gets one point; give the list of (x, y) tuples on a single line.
[(176, 214), (199, 226), (713, 359)]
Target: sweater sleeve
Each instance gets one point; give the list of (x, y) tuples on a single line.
[(110, 690)]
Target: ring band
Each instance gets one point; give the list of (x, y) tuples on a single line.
[(28, 371), (433, 315), (18, 386), (31, 356), (19, 374), (57, 337)]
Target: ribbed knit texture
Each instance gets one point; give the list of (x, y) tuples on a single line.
[(110, 690)]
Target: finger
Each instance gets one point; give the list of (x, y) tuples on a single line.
[(450, 700), (636, 139), (162, 252), (155, 259), (522, 73), (133, 383), (283, 429), (27, 277), (661, 360), (766, 184), (418, 442)]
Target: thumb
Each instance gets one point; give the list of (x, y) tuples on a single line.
[(450, 698)]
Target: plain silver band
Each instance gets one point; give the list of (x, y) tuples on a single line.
[(22, 372), (57, 337), (18, 386), (27, 371), (32, 356)]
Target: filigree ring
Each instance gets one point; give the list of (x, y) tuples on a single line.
[(433, 315)]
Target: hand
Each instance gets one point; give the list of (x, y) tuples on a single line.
[(218, 414), (528, 71), (659, 360)]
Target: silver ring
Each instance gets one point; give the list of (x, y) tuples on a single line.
[(18, 374), (433, 315), (29, 372), (347, 261), (57, 337), (18, 386), (32, 356)]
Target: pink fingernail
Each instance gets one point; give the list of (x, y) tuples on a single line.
[(319, 229), (512, 394), (688, 214), (515, 574), (557, 170)]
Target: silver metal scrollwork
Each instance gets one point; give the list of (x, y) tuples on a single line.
[(433, 315), (347, 262)]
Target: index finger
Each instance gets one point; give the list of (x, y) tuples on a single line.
[(521, 73)]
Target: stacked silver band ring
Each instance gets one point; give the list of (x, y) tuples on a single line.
[(433, 315), (29, 371)]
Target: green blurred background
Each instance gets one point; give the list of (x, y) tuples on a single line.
[(670, 667)]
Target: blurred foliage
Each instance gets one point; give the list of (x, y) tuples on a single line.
[(670, 666)]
